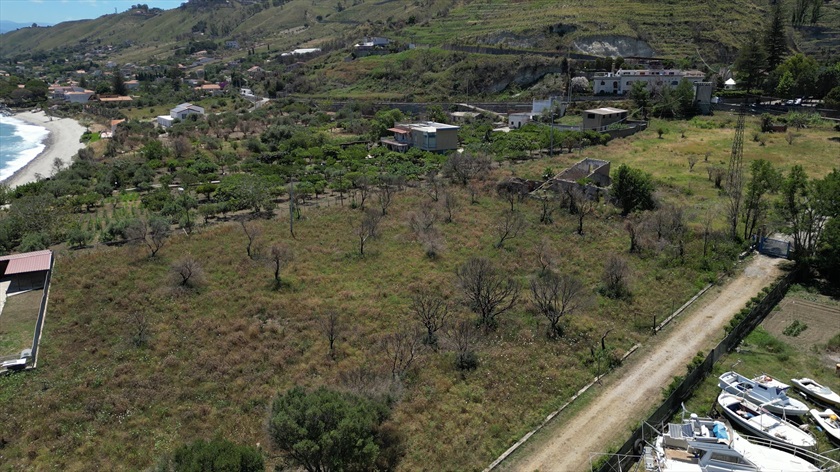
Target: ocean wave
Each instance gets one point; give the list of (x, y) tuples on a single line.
[(30, 144)]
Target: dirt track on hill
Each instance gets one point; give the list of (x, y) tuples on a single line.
[(624, 400)]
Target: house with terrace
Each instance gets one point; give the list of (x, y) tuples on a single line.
[(425, 135)]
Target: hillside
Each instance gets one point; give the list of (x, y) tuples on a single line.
[(674, 29)]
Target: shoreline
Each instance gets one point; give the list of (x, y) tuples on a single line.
[(62, 142)]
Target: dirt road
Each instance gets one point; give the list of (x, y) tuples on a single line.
[(618, 406)]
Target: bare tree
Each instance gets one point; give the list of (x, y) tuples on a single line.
[(508, 225), (462, 167), (252, 232), (716, 174), (188, 272), (433, 242), (278, 257), (546, 255), (362, 184), (464, 338), (367, 228), (583, 206), (139, 328), (474, 187), (614, 278), (434, 184), (422, 219), (548, 203), (151, 232), (432, 311), (488, 291), (450, 203), (401, 348), (692, 161), (387, 186), (330, 326), (632, 225), (508, 194), (557, 296)]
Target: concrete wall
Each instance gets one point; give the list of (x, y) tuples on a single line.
[(447, 139)]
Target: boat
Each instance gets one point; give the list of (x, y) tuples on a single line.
[(707, 445), (816, 391), (757, 420), (829, 421), (763, 390)]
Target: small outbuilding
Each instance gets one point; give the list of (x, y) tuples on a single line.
[(599, 119)]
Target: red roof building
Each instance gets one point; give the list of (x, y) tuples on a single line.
[(27, 262)]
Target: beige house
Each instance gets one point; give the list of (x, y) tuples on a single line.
[(425, 135), (599, 119)]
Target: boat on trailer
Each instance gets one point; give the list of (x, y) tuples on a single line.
[(829, 421), (763, 390), (816, 391), (756, 419), (707, 445)]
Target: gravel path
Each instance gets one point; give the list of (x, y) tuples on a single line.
[(619, 405)]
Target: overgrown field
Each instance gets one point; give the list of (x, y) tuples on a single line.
[(109, 395), (217, 355)]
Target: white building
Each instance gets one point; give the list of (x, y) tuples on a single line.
[(180, 112), (184, 110), (620, 82)]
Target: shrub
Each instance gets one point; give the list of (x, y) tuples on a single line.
[(216, 455)]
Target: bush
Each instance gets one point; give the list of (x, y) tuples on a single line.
[(34, 242), (329, 430), (466, 361), (217, 455)]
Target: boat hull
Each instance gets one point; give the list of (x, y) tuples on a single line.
[(817, 392), (763, 392), (829, 425), (750, 417)]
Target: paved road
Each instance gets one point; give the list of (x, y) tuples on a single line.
[(619, 405)]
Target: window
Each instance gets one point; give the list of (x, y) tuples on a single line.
[(603, 83), (728, 459), (591, 116)]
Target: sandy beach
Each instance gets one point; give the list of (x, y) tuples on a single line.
[(62, 143)]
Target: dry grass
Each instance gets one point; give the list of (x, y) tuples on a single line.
[(218, 355)]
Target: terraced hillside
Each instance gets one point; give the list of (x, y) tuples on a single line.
[(672, 28)]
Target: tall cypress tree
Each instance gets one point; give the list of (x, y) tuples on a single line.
[(775, 42)]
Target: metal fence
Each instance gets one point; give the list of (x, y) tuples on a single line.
[(629, 452)]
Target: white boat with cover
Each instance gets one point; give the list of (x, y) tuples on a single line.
[(829, 421), (757, 420), (706, 445), (817, 391), (763, 390)]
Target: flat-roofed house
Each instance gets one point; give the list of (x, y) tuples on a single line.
[(599, 119), (425, 135)]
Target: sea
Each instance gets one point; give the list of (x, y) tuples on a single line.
[(20, 142)]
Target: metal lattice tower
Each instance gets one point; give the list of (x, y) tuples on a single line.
[(734, 181), (735, 160)]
